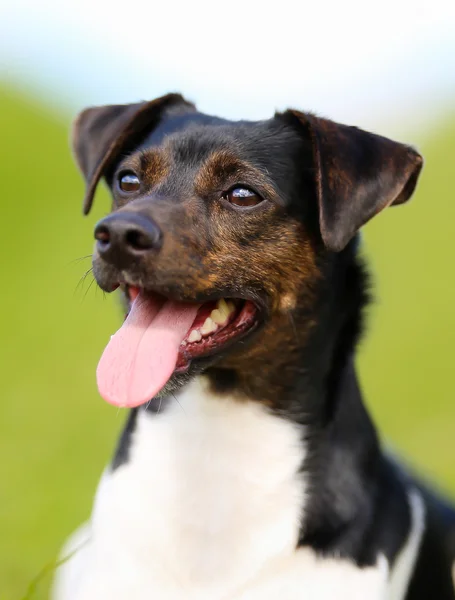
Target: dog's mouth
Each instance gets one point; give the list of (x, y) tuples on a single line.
[(216, 324), (161, 337)]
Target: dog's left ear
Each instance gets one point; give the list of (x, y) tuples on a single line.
[(357, 174), (101, 133)]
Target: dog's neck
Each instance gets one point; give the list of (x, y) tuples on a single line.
[(315, 385)]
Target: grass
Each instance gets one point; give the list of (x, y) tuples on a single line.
[(55, 432)]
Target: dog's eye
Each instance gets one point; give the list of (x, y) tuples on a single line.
[(243, 197), (129, 182)]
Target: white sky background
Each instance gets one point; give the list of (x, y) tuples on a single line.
[(375, 64)]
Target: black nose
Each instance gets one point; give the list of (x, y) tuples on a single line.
[(123, 237)]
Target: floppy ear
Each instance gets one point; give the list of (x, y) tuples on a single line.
[(357, 175), (101, 133)]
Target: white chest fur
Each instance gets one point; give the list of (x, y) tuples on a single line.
[(212, 492), (208, 507)]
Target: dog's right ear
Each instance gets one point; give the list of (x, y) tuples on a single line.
[(101, 133)]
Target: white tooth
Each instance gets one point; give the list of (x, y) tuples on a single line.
[(195, 336), (222, 306), (225, 308), (208, 327), (218, 316), (231, 306)]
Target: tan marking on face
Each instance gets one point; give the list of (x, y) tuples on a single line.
[(453, 574), (155, 165), (286, 267), (273, 356), (280, 258), (222, 168), (287, 302)]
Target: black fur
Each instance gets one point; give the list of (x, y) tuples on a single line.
[(122, 452)]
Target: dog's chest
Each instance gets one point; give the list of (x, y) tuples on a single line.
[(211, 494)]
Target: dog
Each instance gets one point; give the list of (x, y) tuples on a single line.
[(249, 468)]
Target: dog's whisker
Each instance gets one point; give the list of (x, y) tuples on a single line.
[(82, 280), (87, 272), (296, 333), (88, 289), (175, 398), (76, 260)]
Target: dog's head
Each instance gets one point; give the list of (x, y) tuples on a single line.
[(218, 229)]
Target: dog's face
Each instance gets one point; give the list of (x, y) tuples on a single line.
[(233, 219), (224, 200)]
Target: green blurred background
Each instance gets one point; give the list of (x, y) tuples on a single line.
[(56, 434)]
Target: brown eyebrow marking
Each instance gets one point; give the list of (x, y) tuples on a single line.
[(155, 165), (223, 167)]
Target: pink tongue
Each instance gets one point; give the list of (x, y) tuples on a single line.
[(141, 356)]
